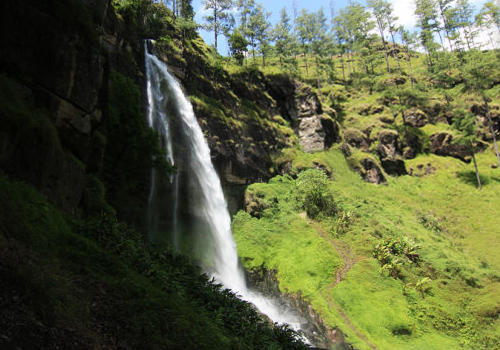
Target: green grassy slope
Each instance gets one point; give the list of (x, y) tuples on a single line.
[(452, 222)]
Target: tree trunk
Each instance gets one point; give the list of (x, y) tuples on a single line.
[(492, 130), (394, 47), (216, 31), (343, 68), (380, 26), (477, 171), (307, 68)]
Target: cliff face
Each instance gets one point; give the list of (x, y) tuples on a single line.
[(54, 52), (248, 117), (57, 60)]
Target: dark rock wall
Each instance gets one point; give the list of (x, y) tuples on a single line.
[(58, 54)]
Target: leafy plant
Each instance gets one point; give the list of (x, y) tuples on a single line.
[(393, 252), (314, 194)]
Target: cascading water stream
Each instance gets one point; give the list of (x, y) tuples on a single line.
[(168, 106)]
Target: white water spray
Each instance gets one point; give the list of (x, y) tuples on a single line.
[(209, 204)]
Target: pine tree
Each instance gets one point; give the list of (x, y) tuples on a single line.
[(282, 37), (428, 22), (220, 19), (380, 10), (258, 30), (305, 28)]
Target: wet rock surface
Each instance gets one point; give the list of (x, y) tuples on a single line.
[(312, 327)]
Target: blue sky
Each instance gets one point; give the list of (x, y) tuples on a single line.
[(403, 9)]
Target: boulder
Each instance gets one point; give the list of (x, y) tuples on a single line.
[(307, 103), (442, 145), (371, 172), (317, 133), (388, 144), (394, 166), (355, 138), (389, 151), (368, 109), (416, 118)]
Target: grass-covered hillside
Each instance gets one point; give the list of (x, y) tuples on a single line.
[(409, 263)]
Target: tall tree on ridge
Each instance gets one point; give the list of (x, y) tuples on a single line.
[(464, 13), (219, 19), (427, 21), (257, 28), (380, 10), (319, 41), (305, 28), (283, 37), (446, 13)]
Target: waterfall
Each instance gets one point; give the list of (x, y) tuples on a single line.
[(171, 114)]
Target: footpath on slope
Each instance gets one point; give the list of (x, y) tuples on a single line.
[(349, 261)]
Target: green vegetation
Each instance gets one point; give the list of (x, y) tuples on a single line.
[(434, 238), (96, 282), (411, 264)]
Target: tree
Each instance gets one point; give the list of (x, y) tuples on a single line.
[(238, 46), (185, 21), (305, 27), (427, 20), (409, 42), (186, 9), (314, 193), (464, 123), (260, 26), (464, 13), (353, 26), (245, 8), (393, 28), (380, 10), (319, 42), (446, 11), (489, 16), (220, 19), (257, 28), (478, 77), (282, 37)]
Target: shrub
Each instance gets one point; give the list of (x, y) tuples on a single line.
[(393, 252), (314, 193)]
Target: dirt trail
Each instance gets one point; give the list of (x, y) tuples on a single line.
[(349, 261)]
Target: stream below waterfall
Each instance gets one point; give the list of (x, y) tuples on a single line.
[(188, 210)]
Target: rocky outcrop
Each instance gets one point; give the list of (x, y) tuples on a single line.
[(371, 172), (312, 326), (368, 109), (317, 133), (442, 144), (415, 118), (316, 129), (389, 151), (357, 139)]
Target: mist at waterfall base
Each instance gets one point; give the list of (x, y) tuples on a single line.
[(189, 210)]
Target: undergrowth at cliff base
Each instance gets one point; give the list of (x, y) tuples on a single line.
[(95, 283)]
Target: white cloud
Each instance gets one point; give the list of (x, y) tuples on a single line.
[(404, 10)]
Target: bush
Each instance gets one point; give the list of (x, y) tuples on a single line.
[(393, 252), (314, 193)]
